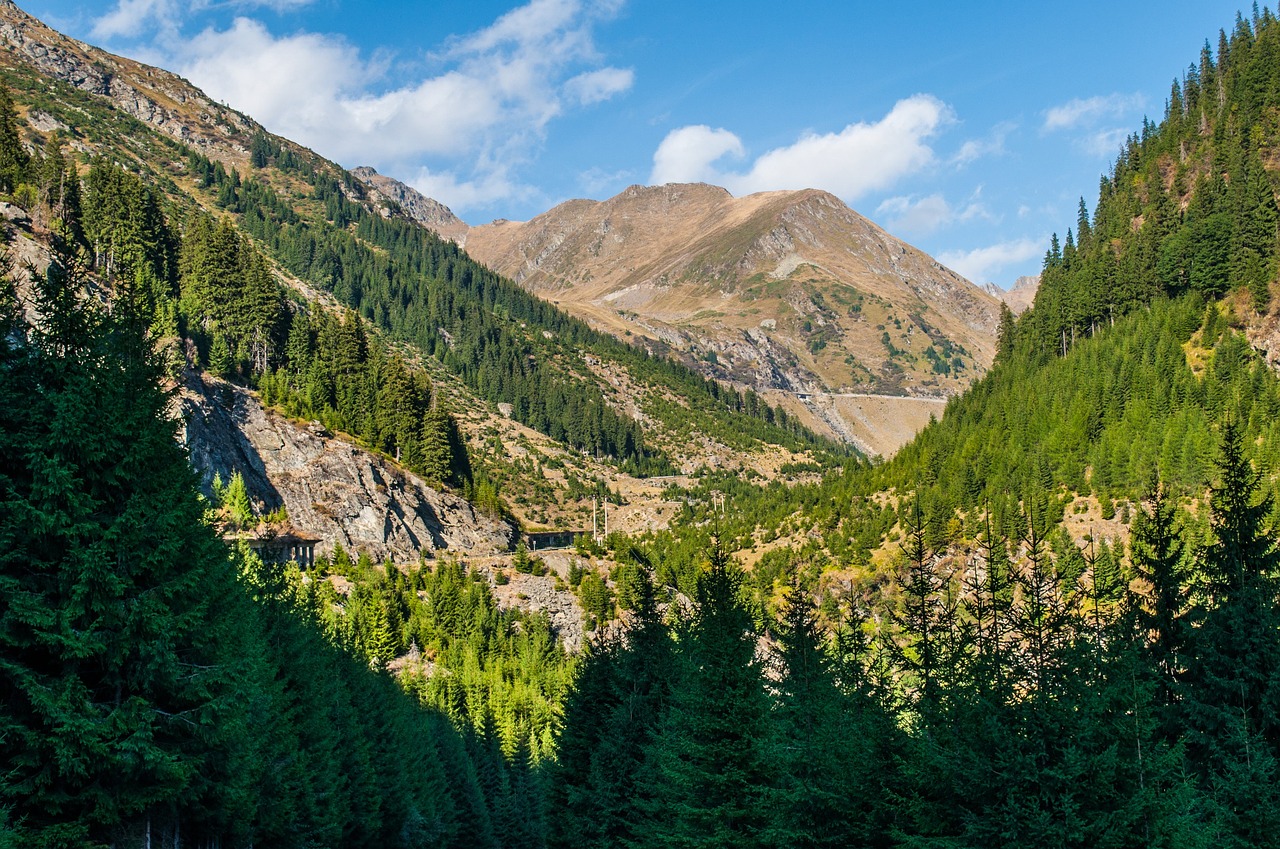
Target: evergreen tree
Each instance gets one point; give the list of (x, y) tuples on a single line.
[(1157, 553), (14, 158), (113, 615), (708, 770), (1233, 701), (825, 741)]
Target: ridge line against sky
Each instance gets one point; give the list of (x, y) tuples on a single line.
[(970, 132)]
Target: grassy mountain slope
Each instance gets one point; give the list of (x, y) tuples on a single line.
[(313, 221), (787, 292)]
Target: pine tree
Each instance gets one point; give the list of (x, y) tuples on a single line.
[(824, 740), (435, 448), (1157, 553), (112, 590), (1233, 701), (14, 158), (236, 501), (707, 768), (1005, 333)]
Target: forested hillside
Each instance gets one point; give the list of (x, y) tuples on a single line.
[(313, 220), (924, 653), (155, 685), (1015, 682)]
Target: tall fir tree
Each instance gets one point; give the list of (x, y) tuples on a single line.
[(1233, 703), (112, 590), (708, 770)]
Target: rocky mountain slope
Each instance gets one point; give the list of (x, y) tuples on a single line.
[(1020, 296), (790, 293), (777, 290), (329, 487), (152, 95), (429, 213)]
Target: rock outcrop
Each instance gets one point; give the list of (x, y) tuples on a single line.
[(418, 207), (152, 95), (1021, 296), (331, 489)]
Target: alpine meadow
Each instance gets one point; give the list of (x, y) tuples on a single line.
[(683, 520)]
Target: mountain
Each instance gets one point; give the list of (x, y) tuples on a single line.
[(234, 214), (1018, 298), (790, 293), (151, 95), (429, 213), (788, 290)]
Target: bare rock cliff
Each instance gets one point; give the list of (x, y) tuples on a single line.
[(330, 488), (151, 95)]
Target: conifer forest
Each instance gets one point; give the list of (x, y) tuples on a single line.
[(924, 655)]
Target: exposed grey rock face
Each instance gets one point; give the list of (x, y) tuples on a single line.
[(539, 595), (154, 96), (330, 488), (429, 213)]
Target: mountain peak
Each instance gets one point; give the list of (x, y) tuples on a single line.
[(418, 207)]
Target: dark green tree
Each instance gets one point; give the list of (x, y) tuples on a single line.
[(708, 770), (825, 733), (117, 642), (1157, 552), (1233, 702), (14, 158)]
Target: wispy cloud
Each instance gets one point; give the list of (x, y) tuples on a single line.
[(481, 114), (131, 18), (981, 264), (920, 216), (1104, 142), (1091, 111), (597, 181), (598, 86), (991, 145), (861, 158)]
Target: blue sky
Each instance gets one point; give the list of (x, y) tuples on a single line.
[(969, 129)]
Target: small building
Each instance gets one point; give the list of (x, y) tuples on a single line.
[(288, 546), (542, 540)]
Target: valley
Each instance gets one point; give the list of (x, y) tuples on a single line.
[(681, 518), (790, 293)]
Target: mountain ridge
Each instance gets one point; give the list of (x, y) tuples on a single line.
[(787, 292)]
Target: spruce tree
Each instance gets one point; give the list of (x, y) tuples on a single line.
[(14, 158), (708, 772), (112, 590), (827, 744), (1157, 552), (1234, 673)]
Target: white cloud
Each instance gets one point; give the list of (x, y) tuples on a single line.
[(1088, 112), (992, 145), (861, 158), (131, 18), (597, 86), (689, 154), (489, 186), (921, 216), (480, 115), (1104, 142), (980, 264)]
